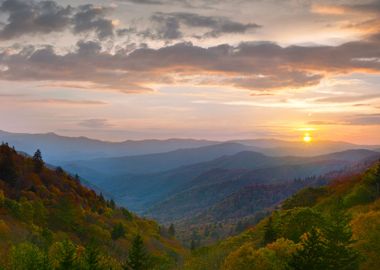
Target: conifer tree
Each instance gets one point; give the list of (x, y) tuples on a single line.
[(312, 255), (118, 231), (67, 258), (92, 257), (329, 248), (377, 179), (269, 233), (192, 245), (38, 161), (171, 230), (8, 171), (138, 258), (340, 254)]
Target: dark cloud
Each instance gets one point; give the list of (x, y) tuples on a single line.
[(370, 7), (126, 31), (168, 28), (169, 25), (92, 18), (258, 66), (29, 17)]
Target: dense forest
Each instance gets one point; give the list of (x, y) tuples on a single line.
[(48, 220), (331, 227)]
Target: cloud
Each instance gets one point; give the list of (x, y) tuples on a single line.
[(371, 7), (340, 9), (68, 102), (92, 18), (144, 2), (95, 123), (363, 16), (327, 9), (356, 120), (169, 25), (167, 28), (184, 3), (366, 120), (347, 98), (323, 123), (260, 66), (29, 17)]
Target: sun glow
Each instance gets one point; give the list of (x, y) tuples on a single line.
[(307, 138)]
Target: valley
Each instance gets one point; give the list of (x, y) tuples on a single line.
[(226, 186)]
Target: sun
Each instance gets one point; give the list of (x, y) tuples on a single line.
[(307, 138)]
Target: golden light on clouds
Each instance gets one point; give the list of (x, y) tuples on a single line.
[(328, 9), (306, 129)]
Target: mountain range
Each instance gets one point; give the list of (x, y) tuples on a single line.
[(185, 181), (58, 149), (208, 191)]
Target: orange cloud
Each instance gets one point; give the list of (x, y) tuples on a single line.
[(328, 9), (68, 102)]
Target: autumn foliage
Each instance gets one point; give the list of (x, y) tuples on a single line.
[(48, 220), (327, 228)]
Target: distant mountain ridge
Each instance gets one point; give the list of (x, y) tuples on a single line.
[(57, 149), (144, 164), (230, 172), (212, 186)]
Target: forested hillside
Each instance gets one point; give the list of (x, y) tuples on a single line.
[(332, 227), (48, 220)]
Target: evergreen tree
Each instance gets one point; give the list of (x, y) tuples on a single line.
[(377, 179), (38, 161), (111, 204), (171, 230), (67, 258), (127, 214), (138, 258), (239, 227), (101, 198), (59, 170), (340, 254), (92, 257), (118, 231), (192, 245), (8, 171), (269, 233), (312, 255), (329, 248)]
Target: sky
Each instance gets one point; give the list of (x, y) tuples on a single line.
[(207, 69)]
